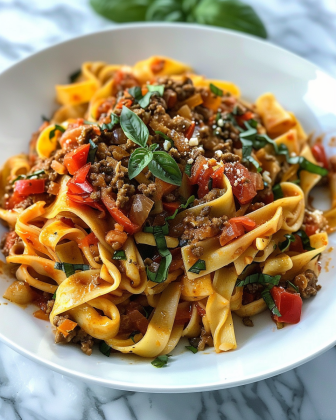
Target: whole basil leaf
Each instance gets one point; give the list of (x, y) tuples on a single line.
[(122, 10), (165, 10), (144, 101), (231, 14), (133, 126), (164, 167), (159, 89), (138, 161)]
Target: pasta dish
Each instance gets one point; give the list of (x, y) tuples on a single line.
[(155, 203)]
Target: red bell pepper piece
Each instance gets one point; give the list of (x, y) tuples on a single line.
[(77, 158), (118, 215), (27, 187), (89, 239), (236, 227), (218, 178), (171, 207), (289, 305), (190, 131), (320, 155), (247, 223)]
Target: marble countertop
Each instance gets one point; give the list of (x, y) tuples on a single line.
[(31, 392)]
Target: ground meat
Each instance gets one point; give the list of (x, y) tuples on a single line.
[(247, 321), (78, 335), (205, 340), (8, 240), (124, 194), (254, 207), (307, 284), (147, 189), (229, 157), (198, 228), (252, 292), (212, 195)]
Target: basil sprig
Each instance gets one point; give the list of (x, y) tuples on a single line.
[(70, 269), (160, 163), (250, 138), (216, 90), (160, 361), (119, 255), (232, 14), (198, 267), (283, 246), (31, 176), (105, 349), (143, 100), (53, 131)]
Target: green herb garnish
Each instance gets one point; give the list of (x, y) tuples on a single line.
[(33, 175), (53, 132), (119, 255), (259, 278), (283, 246), (197, 267), (44, 118), (214, 89), (192, 349), (143, 100), (165, 137), (305, 240), (162, 273), (277, 192), (105, 348), (293, 286), (266, 295), (187, 169), (156, 88), (54, 296), (133, 334), (160, 361), (75, 75), (70, 269), (92, 152), (114, 121)]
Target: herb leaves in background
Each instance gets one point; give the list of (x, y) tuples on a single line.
[(231, 14)]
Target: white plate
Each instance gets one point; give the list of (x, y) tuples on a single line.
[(27, 91)]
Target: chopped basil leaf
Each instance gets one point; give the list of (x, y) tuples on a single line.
[(92, 152), (119, 255), (192, 349), (305, 240), (33, 175), (293, 286), (135, 91), (160, 361), (259, 278), (164, 167), (165, 137), (44, 118), (75, 75), (214, 89), (138, 161), (133, 127), (283, 246), (104, 348), (145, 100), (277, 192), (162, 273), (70, 269), (266, 295), (133, 334), (156, 88), (54, 296), (182, 206), (197, 267), (57, 128), (305, 165), (114, 121), (187, 169)]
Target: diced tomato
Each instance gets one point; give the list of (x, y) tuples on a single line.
[(13, 200), (246, 222), (203, 181), (190, 131), (183, 314), (289, 305), (218, 178), (124, 102), (139, 321), (257, 181), (171, 207), (27, 187), (200, 310), (240, 179), (88, 240), (118, 215), (157, 65), (248, 115), (230, 232), (296, 246), (320, 155), (311, 229), (77, 158), (82, 173), (196, 169)]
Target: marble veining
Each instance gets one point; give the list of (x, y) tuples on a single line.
[(32, 392)]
